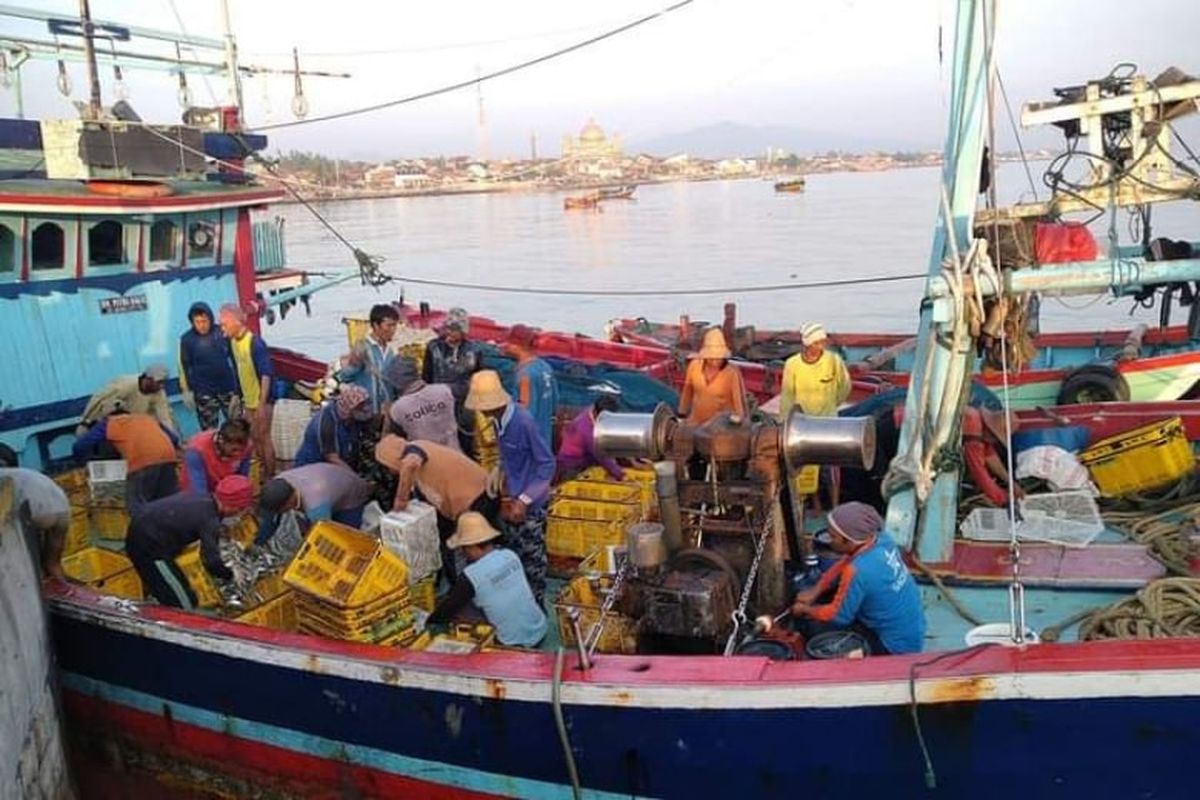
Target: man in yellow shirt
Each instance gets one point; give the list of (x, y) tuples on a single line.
[(815, 378), (252, 363)]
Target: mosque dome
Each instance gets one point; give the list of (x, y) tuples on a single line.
[(592, 133)]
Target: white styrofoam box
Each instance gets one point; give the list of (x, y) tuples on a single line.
[(1071, 519), (412, 534), (288, 423), (106, 479)]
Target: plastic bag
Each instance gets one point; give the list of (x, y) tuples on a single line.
[(1060, 242)]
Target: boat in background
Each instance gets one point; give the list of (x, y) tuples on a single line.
[(618, 193), (585, 202), (790, 186)]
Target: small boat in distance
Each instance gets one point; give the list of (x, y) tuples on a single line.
[(618, 192), (793, 185), (582, 202)]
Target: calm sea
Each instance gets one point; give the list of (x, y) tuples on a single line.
[(673, 237)]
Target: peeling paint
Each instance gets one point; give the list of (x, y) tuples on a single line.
[(390, 675), (957, 690), (495, 688)]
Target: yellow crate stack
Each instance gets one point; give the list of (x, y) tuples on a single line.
[(487, 443), (349, 586), (642, 478), (104, 571), (1145, 458), (576, 527), (583, 594)]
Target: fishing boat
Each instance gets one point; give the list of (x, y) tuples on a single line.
[(165, 703), (585, 202), (618, 193), (790, 186)]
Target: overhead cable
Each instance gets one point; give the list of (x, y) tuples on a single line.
[(481, 78)]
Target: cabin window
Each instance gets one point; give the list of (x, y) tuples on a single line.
[(202, 239), (47, 249), (8, 250), (164, 239), (106, 244)]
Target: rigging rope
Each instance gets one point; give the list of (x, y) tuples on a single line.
[(1168, 607), (487, 77)]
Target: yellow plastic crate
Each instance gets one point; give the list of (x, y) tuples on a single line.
[(109, 521), (619, 634), (356, 617), (607, 491), (104, 571), (577, 508), (1145, 458), (576, 538), (244, 531), (807, 480), (79, 534), (394, 629), (207, 594), (423, 593), (278, 613), (75, 484), (345, 567)]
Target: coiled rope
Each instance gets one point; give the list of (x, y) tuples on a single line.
[(1168, 607)]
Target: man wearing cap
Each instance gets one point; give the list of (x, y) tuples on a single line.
[(255, 379), (146, 445), (495, 583), (815, 379), (711, 385), (135, 394), (872, 590), (335, 434), (318, 491), (368, 360), (160, 531), (444, 478), (422, 410), (528, 468), (537, 388), (452, 359)]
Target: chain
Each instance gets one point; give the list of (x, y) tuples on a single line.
[(739, 615), (597, 629)]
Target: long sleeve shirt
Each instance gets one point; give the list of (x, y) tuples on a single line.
[(140, 439), (127, 394), (578, 451), (818, 388), (203, 467), (168, 525), (368, 374), (875, 588), (525, 457), (702, 399)]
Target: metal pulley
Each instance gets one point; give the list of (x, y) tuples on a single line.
[(299, 101), (837, 441), (621, 435)]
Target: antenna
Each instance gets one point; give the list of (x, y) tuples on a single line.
[(95, 106), (483, 133)]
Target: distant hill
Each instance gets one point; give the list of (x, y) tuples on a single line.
[(730, 139)]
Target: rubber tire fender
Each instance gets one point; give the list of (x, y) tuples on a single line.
[(1101, 381)]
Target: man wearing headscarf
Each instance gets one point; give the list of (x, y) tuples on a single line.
[(869, 590), (335, 434), (815, 379), (421, 410)]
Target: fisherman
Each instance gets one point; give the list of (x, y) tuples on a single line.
[(527, 466), (45, 516), (537, 388), (712, 385), (492, 584), (318, 491), (815, 379), (146, 445), (873, 593), (422, 410), (162, 529), (444, 478), (255, 379), (452, 359), (335, 434), (205, 371), (577, 451), (216, 454), (137, 394), (368, 360)]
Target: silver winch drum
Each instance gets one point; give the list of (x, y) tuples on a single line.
[(624, 435), (836, 441)]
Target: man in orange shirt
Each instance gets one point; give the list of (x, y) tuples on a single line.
[(712, 385), (148, 448)]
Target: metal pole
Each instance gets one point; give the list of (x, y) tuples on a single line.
[(95, 107), (231, 63)]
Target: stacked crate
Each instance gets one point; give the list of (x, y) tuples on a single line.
[(104, 571), (585, 593), (349, 586), (412, 535), (586, 516), (106, 499)]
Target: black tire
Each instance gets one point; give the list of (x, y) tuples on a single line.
[(1093, 383)]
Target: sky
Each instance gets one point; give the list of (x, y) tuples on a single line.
[(857, 67)]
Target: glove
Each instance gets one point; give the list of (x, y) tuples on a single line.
[(495, 483), (189, 401)]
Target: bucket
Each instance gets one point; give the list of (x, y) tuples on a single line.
[(997, 633)]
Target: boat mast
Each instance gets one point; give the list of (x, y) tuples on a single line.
[(231, 61), (95, 106)]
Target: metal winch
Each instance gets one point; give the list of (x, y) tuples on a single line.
[(717, 551)]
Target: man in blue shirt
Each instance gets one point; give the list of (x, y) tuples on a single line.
[(537, 388), (367, 362), (528, 468), (206, 369), (873, 592)]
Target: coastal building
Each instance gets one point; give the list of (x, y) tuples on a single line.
[(381, 177), (593, 152)]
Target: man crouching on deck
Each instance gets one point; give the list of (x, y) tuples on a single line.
[(875, 595)]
